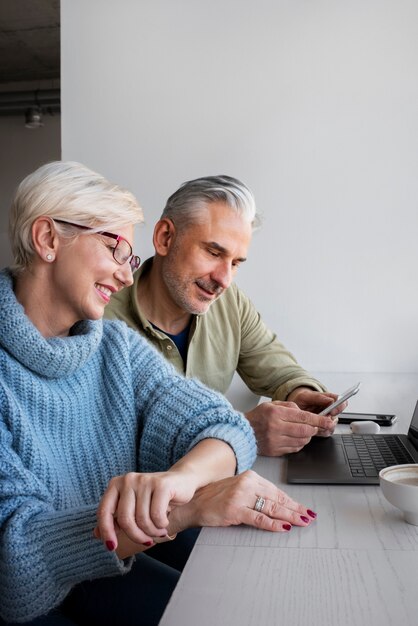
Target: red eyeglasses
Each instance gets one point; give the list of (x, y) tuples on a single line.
[(122, 252)]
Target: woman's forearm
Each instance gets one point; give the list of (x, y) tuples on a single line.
[(210, 460)]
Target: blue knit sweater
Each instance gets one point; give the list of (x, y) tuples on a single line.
[(74, 412)]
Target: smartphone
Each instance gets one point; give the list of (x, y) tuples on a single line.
[(378, 418), (342, 398)]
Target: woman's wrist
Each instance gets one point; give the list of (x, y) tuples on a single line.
[(164, 539), (210, 460), (181, 518)]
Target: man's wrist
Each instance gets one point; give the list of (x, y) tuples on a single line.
[(295, 392), (253, 416)]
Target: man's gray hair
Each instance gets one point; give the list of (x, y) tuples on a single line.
[(190, 202)]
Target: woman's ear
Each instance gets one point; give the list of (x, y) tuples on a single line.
[(164, 234), (44, 239)]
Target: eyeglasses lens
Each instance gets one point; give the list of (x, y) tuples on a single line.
[(123, 252), (135, 262)]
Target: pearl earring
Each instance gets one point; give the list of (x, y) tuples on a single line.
[(49, 257)]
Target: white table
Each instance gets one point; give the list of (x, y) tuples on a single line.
[(356, 565)]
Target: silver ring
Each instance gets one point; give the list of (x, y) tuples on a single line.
[(259, 504)]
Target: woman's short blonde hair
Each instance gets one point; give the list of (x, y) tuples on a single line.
[(68, 191)]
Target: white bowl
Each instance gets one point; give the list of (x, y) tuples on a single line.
[(399, 485)]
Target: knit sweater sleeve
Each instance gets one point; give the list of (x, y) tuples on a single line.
[(45, 552), (142, 409), (176, 413)]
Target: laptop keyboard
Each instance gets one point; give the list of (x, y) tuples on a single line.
[(368, 454)]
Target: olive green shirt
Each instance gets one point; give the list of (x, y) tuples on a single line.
[(229, 337)]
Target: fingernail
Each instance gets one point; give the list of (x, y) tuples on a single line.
[(148, 543), (311, 513), (110, 546), (304, 519), (287, 527)]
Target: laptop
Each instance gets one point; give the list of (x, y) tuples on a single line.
[(352, 459)]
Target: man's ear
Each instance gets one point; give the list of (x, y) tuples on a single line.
[(164, 234), (44, 238)]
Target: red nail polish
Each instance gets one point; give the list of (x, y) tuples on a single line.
[(304, 519), (311, 513), (287, 527), (110, 546), (148, 543)]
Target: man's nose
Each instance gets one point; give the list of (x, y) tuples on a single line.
[(223, 274)]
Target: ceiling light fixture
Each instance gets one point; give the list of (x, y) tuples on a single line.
[(33, 117)]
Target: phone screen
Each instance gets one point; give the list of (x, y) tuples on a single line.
[(342, 398)]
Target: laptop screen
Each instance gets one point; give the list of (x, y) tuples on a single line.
[(413, 428)]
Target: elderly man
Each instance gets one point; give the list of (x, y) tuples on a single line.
[(185, 302)]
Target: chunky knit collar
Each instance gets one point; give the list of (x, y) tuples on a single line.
[(54, 357)]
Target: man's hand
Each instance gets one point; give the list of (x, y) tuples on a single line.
[(315, 401), (285, 427)]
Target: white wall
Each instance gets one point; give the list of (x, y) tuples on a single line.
[(313, 103), (22, 150)]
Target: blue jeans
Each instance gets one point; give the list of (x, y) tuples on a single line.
[(138, 598)]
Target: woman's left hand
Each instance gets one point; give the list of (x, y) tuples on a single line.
[(233, 501), (139, 503)]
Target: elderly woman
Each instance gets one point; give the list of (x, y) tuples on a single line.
[(104, 450)]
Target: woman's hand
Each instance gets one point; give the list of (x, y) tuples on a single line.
[(138, 504), (227, 502), (231, 501)]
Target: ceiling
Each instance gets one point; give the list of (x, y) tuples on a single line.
[(29, 40), (29, 56)]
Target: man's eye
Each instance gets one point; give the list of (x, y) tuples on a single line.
[(212, 253)]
